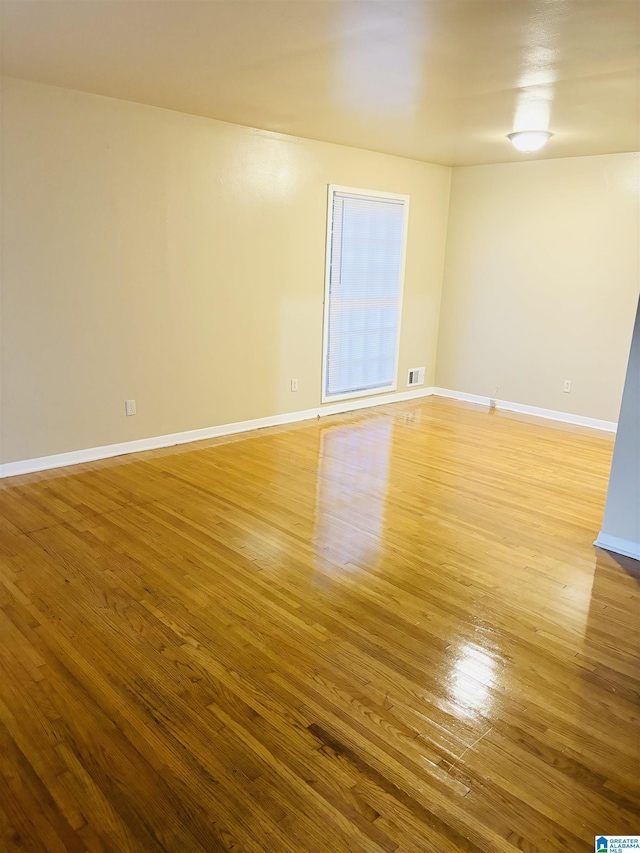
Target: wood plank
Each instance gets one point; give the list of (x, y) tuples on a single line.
[(383, 631)]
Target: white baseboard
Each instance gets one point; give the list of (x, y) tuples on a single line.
[(92, 454), (461, 395), (626, 547), (535, 411)]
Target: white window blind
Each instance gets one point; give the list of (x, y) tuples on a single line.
[(364, 292)]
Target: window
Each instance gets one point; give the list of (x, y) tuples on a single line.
[(366, 237)]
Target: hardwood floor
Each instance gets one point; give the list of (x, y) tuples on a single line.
[(374, 632)]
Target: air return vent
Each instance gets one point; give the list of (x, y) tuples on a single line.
[(416, 376)]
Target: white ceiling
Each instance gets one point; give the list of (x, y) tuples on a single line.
[(437, 80)]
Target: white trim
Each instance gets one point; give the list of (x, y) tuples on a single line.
[(461, 395), (325, 298), (552, 415), (359, 193), (365, 392), (92, 454), (535, 411), (626, 547)]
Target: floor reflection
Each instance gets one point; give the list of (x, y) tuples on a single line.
[(608, 687), (473, 674), (351, 492), (612, 634)]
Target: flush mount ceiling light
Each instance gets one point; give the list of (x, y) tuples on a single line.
[(529, 140)]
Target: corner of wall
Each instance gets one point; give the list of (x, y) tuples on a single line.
[(443, 266)]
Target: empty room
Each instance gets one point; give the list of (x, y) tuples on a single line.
[(319, 426)]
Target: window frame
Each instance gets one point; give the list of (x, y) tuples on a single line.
[(357, 192)]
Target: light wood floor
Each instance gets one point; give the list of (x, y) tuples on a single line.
[(376, 632)]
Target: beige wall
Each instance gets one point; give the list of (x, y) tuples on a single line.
[(541, 282), (179, 261)]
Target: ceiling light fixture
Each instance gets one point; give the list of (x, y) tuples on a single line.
[(529, 140)]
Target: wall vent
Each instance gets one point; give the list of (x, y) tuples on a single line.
[(415, 376)]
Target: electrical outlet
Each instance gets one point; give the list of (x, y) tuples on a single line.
[(566, 387), (129, 407), (294, 384)]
